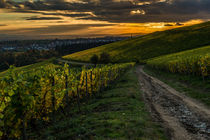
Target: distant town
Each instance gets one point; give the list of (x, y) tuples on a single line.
[(25, 45)]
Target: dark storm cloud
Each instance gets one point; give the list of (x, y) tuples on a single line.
[(179, 24), (168, 25), (54, 29), (43, 18), (64, 28), (67, 15), (57, 29), (52, 13), (168, 11), (176, 24), (128, 10)]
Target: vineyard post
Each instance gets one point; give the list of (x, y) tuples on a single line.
[(78, 102), (24, 127), (203, 78), (202, 73), (99, 83), (111, 76), (108, 78), (91, 82), (86, 85), (44, 103), (66, 86), (102, 82), (116, 71), (53, 95), (100, 89), (109, 81), (81, 86)]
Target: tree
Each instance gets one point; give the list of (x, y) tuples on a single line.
[(104, 58), (94, 59), (2, 3)]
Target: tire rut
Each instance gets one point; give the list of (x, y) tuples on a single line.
[(182, 117)]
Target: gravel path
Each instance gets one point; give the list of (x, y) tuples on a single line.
[(182, 117)]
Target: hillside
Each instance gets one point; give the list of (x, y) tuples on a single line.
[(194, 53), (187, 71), (152, 45), (194, 62), (28, 68)]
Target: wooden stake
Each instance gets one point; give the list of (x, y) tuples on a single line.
[(67, 92), (91, 82), (24, 128), (53, 95), (78, 102), (86, 85)]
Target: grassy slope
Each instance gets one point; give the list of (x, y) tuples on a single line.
[(152, 45), (189, 53), (119, 113), (192, 86), (28, 68)]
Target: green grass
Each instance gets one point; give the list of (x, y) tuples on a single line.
[(118, 113), (151, 45), (28, 68), (203, 51), (192, 86)]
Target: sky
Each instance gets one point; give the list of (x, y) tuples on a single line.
[(42, 19)]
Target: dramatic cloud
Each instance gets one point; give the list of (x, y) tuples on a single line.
[(176, 24), (179, 24), (44, 18), (168, 24), (167, 13), (63, 28), (141, 12), (124, 10), (63, 31)]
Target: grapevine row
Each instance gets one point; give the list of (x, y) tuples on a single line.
[(35, 95), (193, 65)]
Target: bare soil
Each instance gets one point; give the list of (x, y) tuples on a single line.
[(182, 117)]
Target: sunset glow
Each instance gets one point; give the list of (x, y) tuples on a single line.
[(64, 20)]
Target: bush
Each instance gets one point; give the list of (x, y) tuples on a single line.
[(104, 58), (94, 59)]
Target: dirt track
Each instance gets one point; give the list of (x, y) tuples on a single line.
[(182, 117)]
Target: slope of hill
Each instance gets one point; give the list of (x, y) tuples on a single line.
[(28, 68), (194, 62), (198, 52), (151, 45)]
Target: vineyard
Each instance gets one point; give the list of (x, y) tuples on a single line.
[(28, 68), (193, 62), (40, 93)]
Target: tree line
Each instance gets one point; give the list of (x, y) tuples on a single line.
[(33, 56), (24, 58)]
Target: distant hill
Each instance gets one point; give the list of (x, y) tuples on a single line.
[(29, 68), (194, 53), (190, 55), (152, 45)]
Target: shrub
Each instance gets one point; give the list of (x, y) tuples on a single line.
[(104, 58), (94, 59)]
